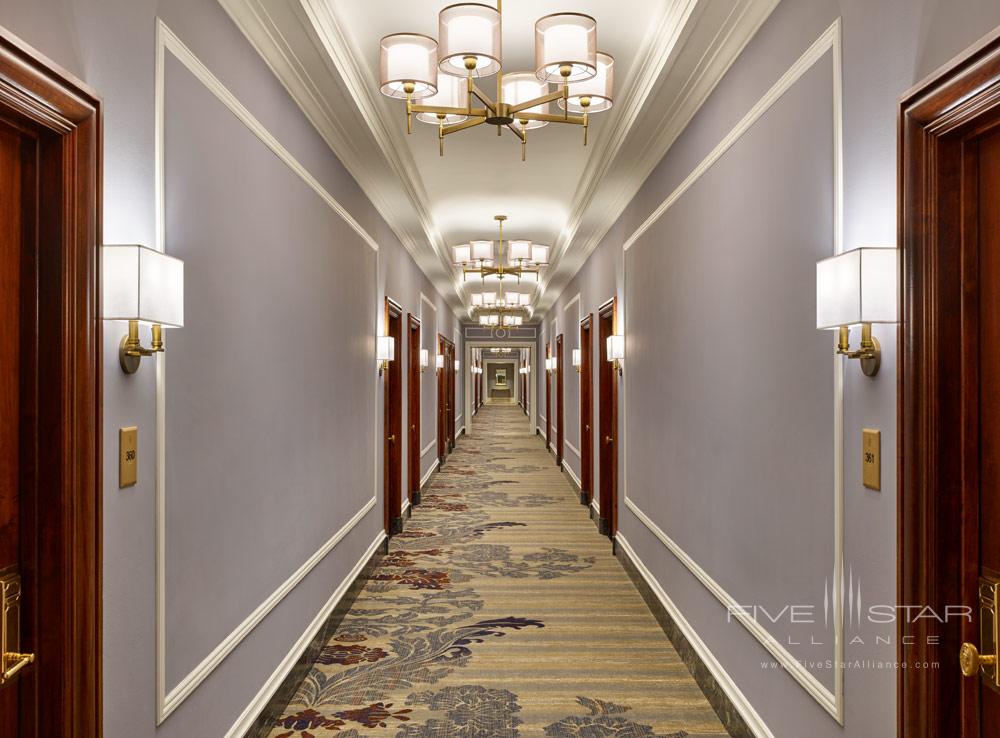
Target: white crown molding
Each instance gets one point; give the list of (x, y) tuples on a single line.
[(664, 97)]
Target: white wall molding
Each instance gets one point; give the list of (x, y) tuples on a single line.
[(434, 467), (569, 470), (428, 448), (168, 700), (831, 701), (721, 676), (270, 687), (572, 448)]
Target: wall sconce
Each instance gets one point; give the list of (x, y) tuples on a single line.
[(386, 351), (616, 352), (439, 361), (425, 360), (458, 365), (576, 360), (858, 287), (143, 285)]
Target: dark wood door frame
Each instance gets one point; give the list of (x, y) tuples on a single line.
[(548, 398), (413, 374), (560, 397), (608, 394), (392, 457), (61, 364), (449, 366), (938, 388), (445, 398), (586, 410)]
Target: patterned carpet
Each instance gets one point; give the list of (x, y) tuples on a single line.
[(499, 612)]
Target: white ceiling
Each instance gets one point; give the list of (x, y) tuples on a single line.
[(669, 55)]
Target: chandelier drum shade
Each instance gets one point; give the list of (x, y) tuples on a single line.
[(438, 78), (408, 66), (594, 95), (470, 40), (565, 47)]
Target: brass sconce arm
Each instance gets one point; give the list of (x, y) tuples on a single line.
[(869, 353), (131, 350)]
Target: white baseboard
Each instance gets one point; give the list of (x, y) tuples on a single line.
[(434, 468), (595, 506), (460, 431), (261, 699), (406, 506), (574, 477), (753, 720)]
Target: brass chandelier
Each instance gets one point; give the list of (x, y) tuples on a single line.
[(524, 262), (441, 74)]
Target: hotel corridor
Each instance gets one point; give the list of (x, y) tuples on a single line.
[(499, 611)]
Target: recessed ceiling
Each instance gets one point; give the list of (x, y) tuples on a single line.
[(669, 55)]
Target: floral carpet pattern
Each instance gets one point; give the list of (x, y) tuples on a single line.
[(499, 612)]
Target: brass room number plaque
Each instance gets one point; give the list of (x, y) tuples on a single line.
[(127, 461), (871, 458)]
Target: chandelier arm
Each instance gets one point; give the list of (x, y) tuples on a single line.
[(484, 99), (517, 133), (551, 97), (471, 123), (474, 112), (549, 118)]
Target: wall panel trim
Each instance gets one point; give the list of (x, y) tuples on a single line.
[(831, 701), (169, 700)]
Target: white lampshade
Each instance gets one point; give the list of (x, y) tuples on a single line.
[(477, 299), (565, 42), (458, 365), (489, 298), (484, 320), (539, 254), (469, 30), (520, 250), (576, 357), (529, 277), (858, 286), (524, 299), (463, 253), (140, 283), (521, 87), (386, 348), (494, 320), (407, 59), (452, 92), (482, 250), (439, 361), (424, 357), (616, 348), (598, 91)]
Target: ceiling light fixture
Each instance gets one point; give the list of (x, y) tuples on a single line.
[(441, 74)]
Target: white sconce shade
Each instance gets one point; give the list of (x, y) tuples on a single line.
[(520, 250), (576, 357), (463, 254), (597, 92), (439, 361), (470, 36), (458, 365), (856, 287), (521, 87), (616, 348), (477, 299), (424, 358), (386, 349), (539, 254), (140, 283), (565, 47), (482, 250), (452, 92), (407, 65)]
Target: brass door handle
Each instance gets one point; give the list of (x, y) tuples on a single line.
[(970, 660), (586, 427), (608, 439), (392, 438), (413, 427), (14, 662)]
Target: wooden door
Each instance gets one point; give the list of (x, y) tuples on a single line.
[(50, 423), (413, 373), (586, 411), (608, 426), (452, 403), (560, 397), (393, 424), (442, 399), (548, 398), (949, 496)]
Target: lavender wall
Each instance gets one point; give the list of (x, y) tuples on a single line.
[(744, 489), (283, 302)]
